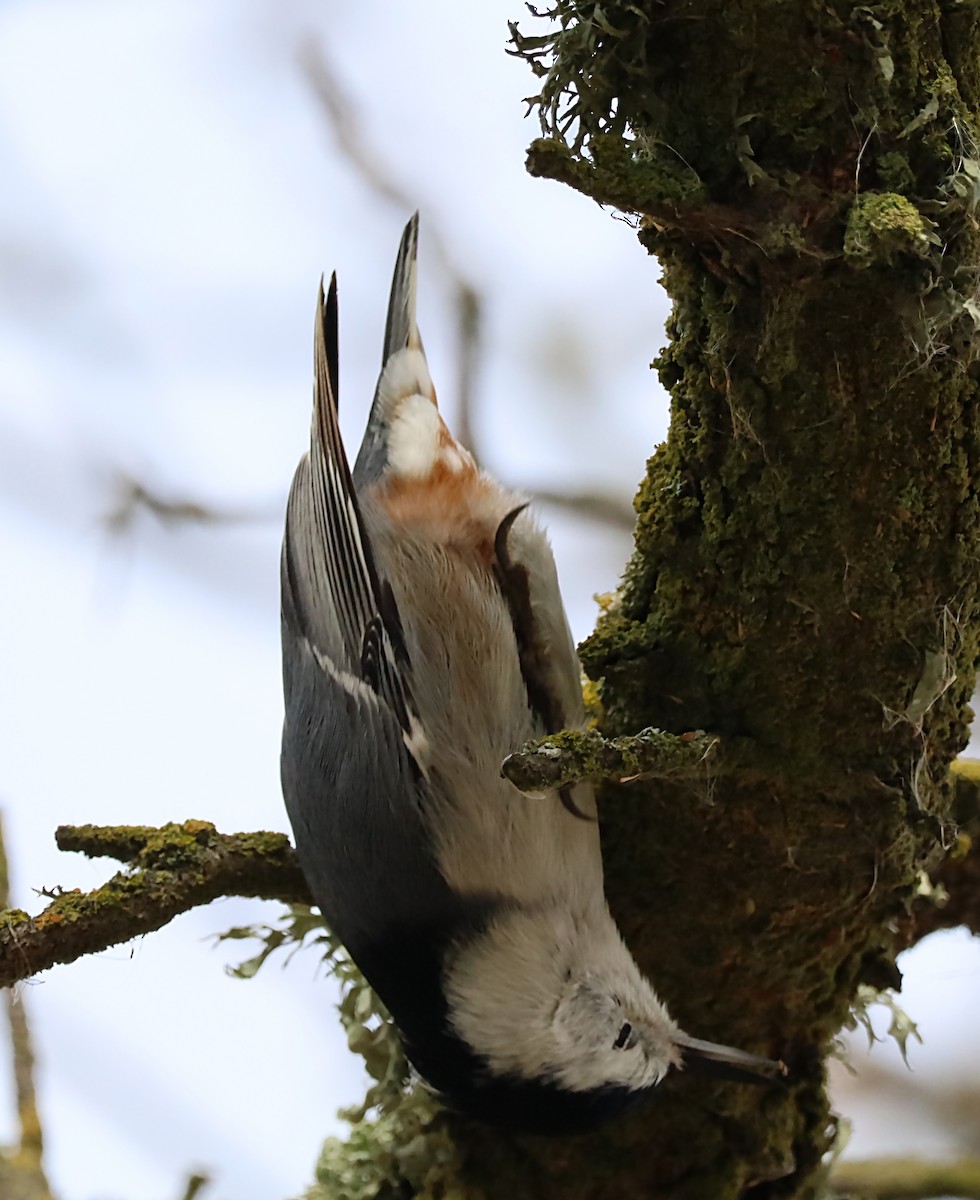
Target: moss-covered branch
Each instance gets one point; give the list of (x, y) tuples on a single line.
[(565, 758), (170, 870)]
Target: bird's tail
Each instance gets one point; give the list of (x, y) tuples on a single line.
[(404, 430), (401, 329)]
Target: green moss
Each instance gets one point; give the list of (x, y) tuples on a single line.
[(881, 228), (895, 172), (175, 846), (267, 844)]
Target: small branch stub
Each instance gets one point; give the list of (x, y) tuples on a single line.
[(569, 756)]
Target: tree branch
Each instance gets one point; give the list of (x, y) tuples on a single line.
[(569, 756), (135, 496), (170, 870)]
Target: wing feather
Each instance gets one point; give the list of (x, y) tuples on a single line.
[(333, 593)]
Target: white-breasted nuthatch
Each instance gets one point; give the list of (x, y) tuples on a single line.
[(424, 640)]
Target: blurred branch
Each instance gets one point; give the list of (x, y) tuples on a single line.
[(348, 130), (196, 1183), (139, 497), (134, 497), (469, 319), (598, 506), (907, 1179), (171, 870), (22, 1174)]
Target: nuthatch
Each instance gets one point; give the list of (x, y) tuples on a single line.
[(424, 640)]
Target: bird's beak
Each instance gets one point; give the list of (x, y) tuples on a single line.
[(725, 1062)]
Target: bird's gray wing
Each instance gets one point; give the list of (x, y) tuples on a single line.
[(401, 331), (333, 595)]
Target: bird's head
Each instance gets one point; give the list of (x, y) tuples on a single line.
[(545, 996)]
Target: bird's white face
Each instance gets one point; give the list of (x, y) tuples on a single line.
[(611, 1029), (543, 996)]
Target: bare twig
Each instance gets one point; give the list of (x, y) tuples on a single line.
[(598, 506), (134, 497), (172, 869)]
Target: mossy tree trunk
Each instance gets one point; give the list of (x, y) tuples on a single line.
[(804, 578)]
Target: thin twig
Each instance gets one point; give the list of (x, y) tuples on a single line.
[(134, 497)]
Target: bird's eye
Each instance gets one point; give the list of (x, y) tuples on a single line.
[(623, 1037)]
